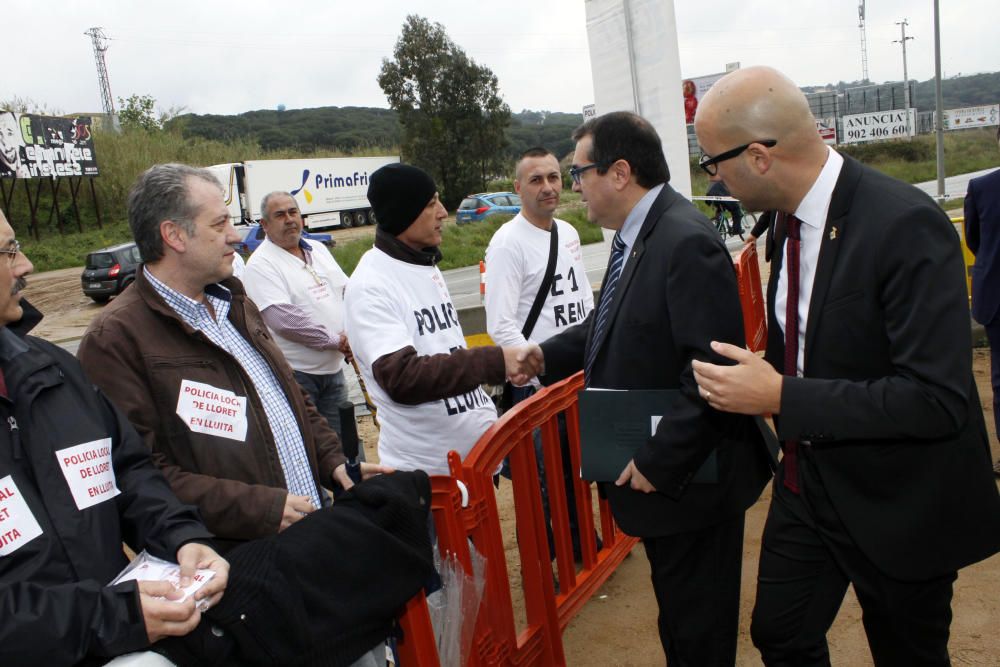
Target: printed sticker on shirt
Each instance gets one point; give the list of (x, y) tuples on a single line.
[(18, 525), (213, 411), (320, 292), (88, 472)]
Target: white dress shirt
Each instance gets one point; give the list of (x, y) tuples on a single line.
[(812, 211)]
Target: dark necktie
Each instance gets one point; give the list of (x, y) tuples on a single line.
[(615, 264), (790, 461)]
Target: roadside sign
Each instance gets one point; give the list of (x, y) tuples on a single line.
[(983, 116), (878, 125), (827, 128), (693, 90), (589, 111)]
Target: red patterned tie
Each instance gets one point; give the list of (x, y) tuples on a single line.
[(792, 224)]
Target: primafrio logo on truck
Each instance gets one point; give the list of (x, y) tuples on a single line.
[(321, 181)]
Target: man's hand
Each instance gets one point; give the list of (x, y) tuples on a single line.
[(166, 618), (750, 240), (752, 387), (523, 362), (296, 507), (635, 479), (193, 557), (367, 470), (345, 347)]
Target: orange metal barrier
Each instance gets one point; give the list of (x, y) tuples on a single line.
[(752, 299), (548, 612)]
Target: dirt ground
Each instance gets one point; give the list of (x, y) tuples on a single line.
[(618, 626)]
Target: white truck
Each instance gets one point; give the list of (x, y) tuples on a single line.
[(329, 191)]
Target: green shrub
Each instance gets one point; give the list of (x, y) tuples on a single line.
[(501, 185)]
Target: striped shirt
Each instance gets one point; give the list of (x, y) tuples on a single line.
[(280, 417)]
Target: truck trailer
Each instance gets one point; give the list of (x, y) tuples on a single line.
[(330, 192)]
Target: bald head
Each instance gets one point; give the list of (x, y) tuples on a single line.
[(757, 103), (744, 111)]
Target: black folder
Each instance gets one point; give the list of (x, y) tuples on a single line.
[(615, 423)]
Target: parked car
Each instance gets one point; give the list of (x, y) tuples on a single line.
[(475, 208), (253, 235), (109, 271)]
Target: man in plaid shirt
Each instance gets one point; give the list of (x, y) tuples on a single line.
[(186, 355)]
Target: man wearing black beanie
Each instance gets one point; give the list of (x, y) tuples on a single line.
[(406, 337)]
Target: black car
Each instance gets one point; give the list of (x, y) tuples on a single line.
[(109, 271)]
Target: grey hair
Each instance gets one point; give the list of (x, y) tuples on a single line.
[(267, 198), (161, 193)]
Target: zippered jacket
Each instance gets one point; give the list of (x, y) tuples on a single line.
[(140, 352), (57, 432)]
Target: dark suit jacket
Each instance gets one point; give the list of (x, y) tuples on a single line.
[(888, 399), (982, 235), (676, 294)]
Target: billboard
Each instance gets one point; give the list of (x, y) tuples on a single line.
[(878, 125), (959, 119), (693, 90), (33, 146)]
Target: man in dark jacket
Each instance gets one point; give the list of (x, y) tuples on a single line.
[(187, 356), (982, 235), (73, 487)]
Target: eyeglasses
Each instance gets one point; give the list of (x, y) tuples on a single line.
[(708, 163), (576, 172), (12, 251)]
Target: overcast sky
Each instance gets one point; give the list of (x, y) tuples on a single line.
[(224, 56)]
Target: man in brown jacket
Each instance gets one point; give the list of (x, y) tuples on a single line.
[(186, 355)]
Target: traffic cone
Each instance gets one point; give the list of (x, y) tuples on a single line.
[(482, 281)]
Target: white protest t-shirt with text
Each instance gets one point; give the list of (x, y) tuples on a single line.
[(516, 260), (389, 305)]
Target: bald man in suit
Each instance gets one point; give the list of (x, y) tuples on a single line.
[(885, 482)]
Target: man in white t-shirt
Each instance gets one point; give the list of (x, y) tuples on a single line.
[(299, 289), (518, 255), (406, 336), (516, 261)]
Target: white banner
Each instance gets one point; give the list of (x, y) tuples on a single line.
[(959, 119), (877, 126)]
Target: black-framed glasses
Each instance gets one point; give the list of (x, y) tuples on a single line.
[(576, 172), (12, 250), (708, 163)]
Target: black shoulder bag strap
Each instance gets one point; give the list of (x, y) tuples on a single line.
[(507, 398), (543, 289)]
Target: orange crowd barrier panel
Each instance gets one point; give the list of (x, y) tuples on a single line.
[(752, 299), (497, 640)]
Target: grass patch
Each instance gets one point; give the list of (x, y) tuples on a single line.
[(62, 252)]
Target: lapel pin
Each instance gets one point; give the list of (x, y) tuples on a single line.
[(833, 233)]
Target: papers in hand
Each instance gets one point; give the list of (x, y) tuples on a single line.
[(150, 568)]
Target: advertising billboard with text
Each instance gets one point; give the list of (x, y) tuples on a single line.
[(33, 146)]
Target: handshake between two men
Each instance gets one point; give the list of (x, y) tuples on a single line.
[(523, 362)]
